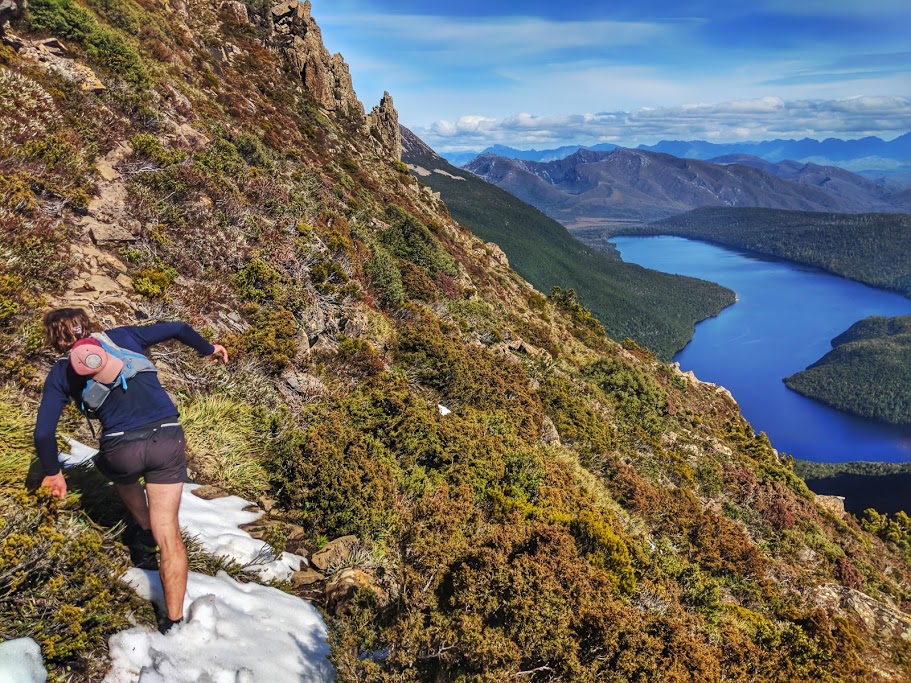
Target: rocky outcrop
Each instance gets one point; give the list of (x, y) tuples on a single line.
[(383, 123), (852, 604), (51, 55), (9, 10), (325, 76), (834, 504)]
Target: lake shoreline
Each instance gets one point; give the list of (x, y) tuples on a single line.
[(773, 335)]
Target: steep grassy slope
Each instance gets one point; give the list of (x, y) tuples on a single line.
[(871, 248), (584, 513), (657, 310), (867, 372)]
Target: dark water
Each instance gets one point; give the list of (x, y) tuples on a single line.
[(784, 320)]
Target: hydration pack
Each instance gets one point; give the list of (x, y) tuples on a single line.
[(96, 393)]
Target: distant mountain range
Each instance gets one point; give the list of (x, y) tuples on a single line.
[(589, 187), (871, 157)]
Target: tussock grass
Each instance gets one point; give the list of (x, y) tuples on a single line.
[(225, 444), (16, 425)]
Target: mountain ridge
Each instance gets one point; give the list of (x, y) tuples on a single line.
[(871, 157), (589, 186)]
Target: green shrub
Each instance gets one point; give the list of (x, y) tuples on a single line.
[(150, 146), (604, 548), (579, 424), (221, 160), (410, 239), (257, 281), (636, 395), (16, 192), (385, 278), (58, 584), (272, 337), (336, 481), (154, 282), (253, 151), (66, 19), (469, 376)]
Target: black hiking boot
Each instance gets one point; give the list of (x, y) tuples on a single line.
[(143, 547), (165, 623)]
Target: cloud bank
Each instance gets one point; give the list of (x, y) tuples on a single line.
[(750, 119)]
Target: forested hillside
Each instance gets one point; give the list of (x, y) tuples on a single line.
[(868, 371), (871, 248), (881, 487), (655, 309), (585, 512)]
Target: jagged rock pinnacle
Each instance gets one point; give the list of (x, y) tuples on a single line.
[(383, 122)]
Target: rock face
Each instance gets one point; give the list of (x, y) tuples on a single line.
[(327, 78), (850, 603)]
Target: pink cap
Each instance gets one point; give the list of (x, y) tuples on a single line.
[(88, 357)]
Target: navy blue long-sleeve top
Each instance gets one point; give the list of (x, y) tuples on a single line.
[(143, 402)]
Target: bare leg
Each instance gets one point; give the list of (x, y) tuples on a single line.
[(134, 497), (164, 501)]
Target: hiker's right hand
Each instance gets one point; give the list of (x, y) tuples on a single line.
[(220, 352), (56, 483)]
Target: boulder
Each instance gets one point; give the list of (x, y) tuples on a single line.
[(334, 551), (549, 433), (10, 10), (343, 585), (306, 577), (109, 233), (833, 504), (209, 492)]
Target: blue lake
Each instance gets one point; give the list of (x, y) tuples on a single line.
[(784, 320)]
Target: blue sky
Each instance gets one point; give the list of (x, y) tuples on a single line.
[(467, 74)]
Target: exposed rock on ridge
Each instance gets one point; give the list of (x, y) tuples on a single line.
[(326, 76), (383, 122)]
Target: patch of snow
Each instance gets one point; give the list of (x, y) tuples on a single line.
[(20, 662), (443, 409), (214, 523), (446, 173), (234, 633), (420, 170)]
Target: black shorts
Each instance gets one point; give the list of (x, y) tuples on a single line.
[(156, 452)]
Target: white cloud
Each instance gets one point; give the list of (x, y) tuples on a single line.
[(751, 119)]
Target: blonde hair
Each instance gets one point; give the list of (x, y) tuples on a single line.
[(63, 327)]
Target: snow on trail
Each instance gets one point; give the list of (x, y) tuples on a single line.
[(233, 632)]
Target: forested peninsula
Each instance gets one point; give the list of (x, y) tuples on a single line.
[(868, 371), (871, 248)]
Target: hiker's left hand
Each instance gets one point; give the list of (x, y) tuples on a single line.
[(220, 352)]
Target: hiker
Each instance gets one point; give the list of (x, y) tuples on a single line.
[(109, 377)]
